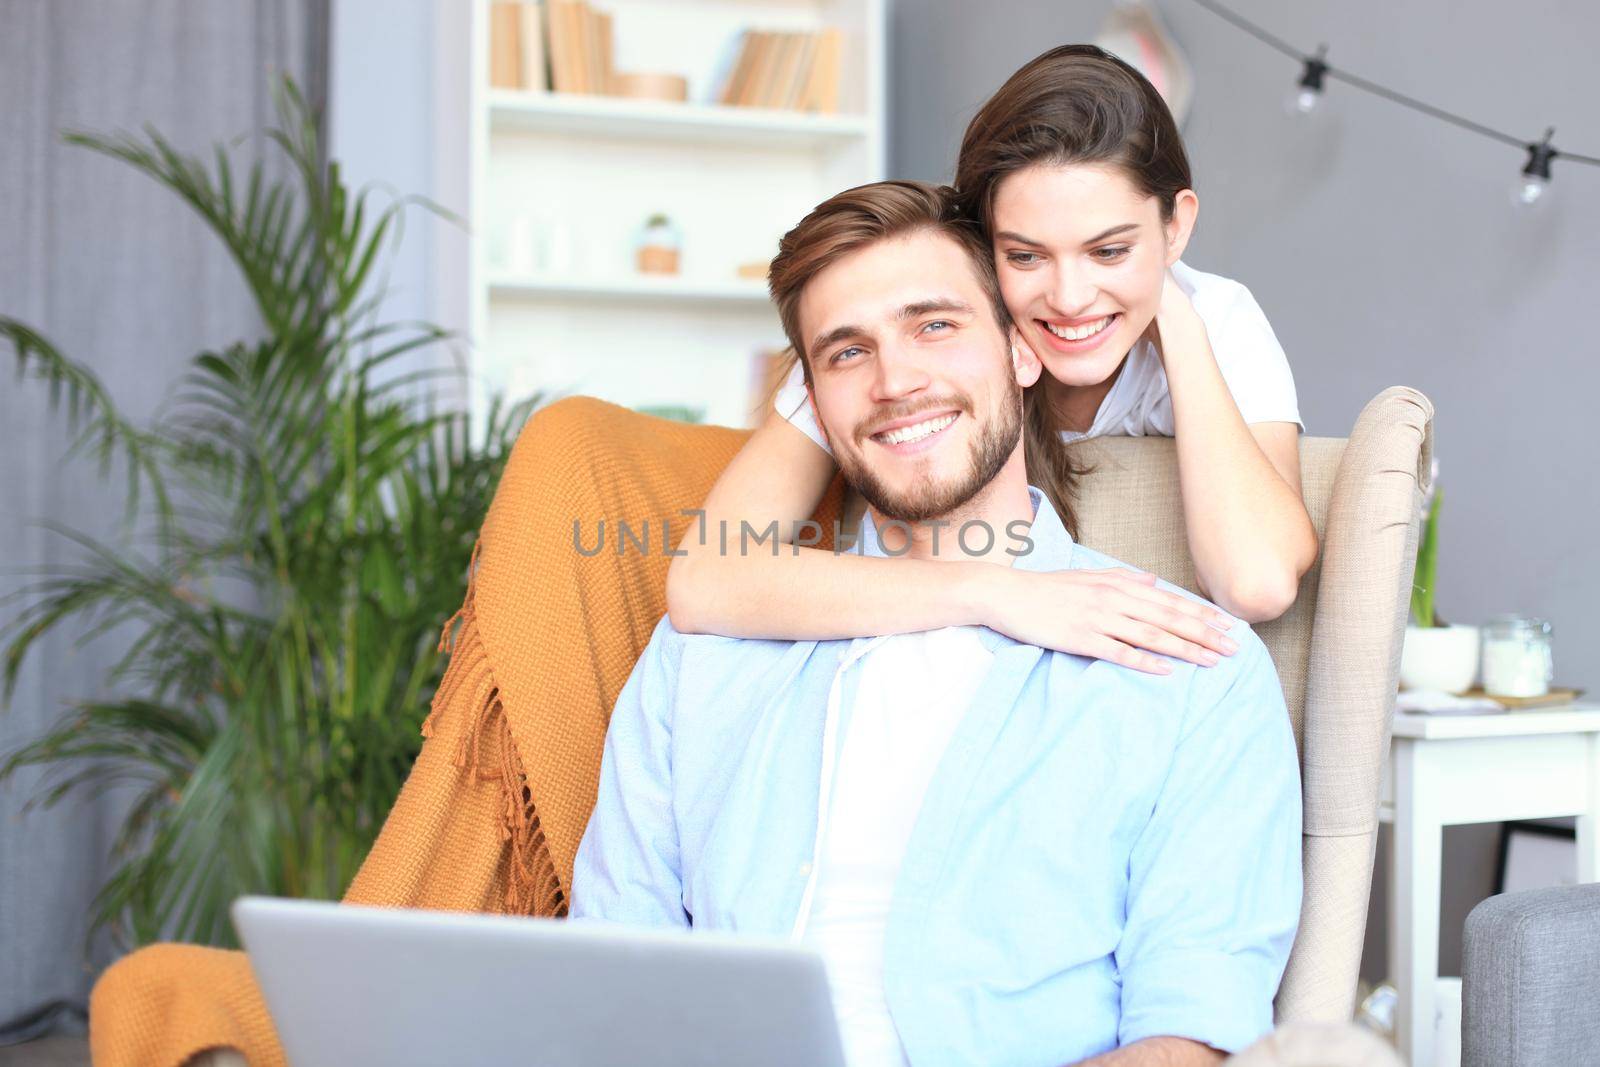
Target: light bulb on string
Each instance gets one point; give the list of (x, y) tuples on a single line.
[(1307, 93), (1305, 101), (1529, 191)]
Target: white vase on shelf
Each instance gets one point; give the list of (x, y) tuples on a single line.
[(1443, 658)]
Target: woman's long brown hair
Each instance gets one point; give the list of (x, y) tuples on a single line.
[(1075, 104)]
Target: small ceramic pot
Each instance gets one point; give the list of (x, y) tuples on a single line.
[(1443, 658)]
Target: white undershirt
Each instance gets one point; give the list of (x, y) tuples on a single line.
[(912, 692)]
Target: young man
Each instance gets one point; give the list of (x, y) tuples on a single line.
[(1005, 855)]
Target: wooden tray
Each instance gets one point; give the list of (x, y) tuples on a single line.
[(1550, 699)]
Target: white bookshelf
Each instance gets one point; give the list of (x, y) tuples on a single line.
[(688, 123), (561, 183), (641, 289)]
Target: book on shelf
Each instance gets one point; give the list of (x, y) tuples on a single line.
[(535, 67), (738, 75), (517, 45), (805, 61), (753, 59), (580, 47), (565, 71), (763, 65), (505, 46), (821, 92), (787, 70), (601, 66)]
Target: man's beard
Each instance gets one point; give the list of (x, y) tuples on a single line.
[(925, 499)]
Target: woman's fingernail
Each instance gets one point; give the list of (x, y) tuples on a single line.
[(1229, 645)]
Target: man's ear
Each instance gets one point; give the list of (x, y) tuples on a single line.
[(1185, 212), (811, 398), (1024, 364)]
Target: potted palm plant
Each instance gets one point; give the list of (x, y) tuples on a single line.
[(1437, 655), (308, 524)]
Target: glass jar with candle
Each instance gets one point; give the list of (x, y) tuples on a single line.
[(1517, 660)]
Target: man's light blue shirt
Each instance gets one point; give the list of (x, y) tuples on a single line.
[(1101, 856)]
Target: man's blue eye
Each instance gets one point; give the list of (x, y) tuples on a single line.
[(844, 353), (940, 322)]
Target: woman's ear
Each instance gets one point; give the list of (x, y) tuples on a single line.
[(1185, 211), (1024, 364)]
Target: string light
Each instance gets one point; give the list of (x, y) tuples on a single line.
[(1308, 94), (1532, 184), (1535, 177)]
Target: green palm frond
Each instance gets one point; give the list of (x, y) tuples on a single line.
[(312, 525), (90, 413)]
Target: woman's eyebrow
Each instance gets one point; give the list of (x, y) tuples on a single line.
[(1012, 235), (1126, 226)]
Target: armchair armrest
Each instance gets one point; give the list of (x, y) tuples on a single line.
[(1318, 1045)]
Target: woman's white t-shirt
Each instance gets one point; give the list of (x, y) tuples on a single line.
[(1139, 403)]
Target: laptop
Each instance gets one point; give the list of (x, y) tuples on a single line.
[(352, 986)]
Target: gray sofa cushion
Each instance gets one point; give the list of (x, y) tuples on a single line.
[(1531, 979)]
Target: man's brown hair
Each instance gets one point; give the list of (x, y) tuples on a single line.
[(863, 216)]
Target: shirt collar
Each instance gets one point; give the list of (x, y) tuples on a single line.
[(1048, 546)]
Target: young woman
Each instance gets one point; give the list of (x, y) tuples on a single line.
[(1076, 173)]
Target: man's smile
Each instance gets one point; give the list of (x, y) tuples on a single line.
[(915, 434)]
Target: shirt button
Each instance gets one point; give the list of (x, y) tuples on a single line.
[(805, 870)]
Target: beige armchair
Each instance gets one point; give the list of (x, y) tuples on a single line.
[(1337, 650)]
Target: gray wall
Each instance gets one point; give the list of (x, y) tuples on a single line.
[(1384, 250), (120, 274), (392, 58)]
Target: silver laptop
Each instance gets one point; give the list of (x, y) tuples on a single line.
[(360, 987)]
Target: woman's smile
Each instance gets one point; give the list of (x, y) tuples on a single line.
[(1084, 335)]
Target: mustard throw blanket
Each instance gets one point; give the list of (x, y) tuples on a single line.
[(491, 815)]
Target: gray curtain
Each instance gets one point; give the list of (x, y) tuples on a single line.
[(117, 272)]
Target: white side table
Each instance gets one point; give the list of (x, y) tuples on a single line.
[(1446, 770)]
